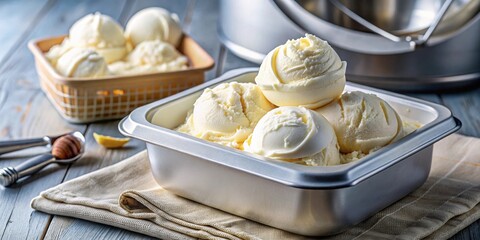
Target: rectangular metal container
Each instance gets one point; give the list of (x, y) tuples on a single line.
[(301, 199)]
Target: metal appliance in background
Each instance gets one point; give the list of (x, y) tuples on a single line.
[(403, 45)]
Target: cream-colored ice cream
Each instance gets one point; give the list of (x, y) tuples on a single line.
[(352, 157), (295, 134), (157, 53), (410, 126), (154, 24), (227, 113), (57, 51), (82, 62), (99, 32), (151, 56), (302, 72), (362, 122)]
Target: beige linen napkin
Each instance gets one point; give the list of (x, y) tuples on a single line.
[(125, 195)]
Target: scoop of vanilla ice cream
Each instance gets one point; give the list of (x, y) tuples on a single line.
[(82, 62), (295, 134), (56, 51), (156, 53), (151, 56), (122, 68), (227, 113), (302, 72), (362, 122), (154, 24), (101, 33)]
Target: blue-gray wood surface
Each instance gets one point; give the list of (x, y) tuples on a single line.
[(25, 111)]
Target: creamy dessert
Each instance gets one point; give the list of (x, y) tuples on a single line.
[(148, 45), (82, 62), (363, 122), (302, 72), (227, 113), (154, 24), (314, 123), (295, 134), (101, 33), (57, 51), (151, 56)]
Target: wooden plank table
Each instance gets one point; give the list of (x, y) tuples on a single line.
[(25, 112)]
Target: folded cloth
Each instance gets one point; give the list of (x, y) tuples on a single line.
[(125, 195)]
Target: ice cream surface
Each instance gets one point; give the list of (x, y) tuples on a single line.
[(295, 134), (362, 122), (227, 113), (157, 31), (151, 56), (154, 24), (99, 32), (56, 51), (314, 123), (302, 72), (82, 62)]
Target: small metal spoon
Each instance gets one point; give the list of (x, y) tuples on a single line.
[(10, 175)]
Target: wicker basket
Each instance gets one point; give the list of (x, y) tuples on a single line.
[(82, 100)]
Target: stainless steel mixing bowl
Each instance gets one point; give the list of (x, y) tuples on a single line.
[(387, 27), (406, 17), (404, 56)]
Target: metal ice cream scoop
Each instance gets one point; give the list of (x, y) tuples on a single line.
[(10, 175), (16, 145)]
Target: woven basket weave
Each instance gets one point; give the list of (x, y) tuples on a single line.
[(83, 100)]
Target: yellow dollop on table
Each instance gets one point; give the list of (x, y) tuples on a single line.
[(110, 142)]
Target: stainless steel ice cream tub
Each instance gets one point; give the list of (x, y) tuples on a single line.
[(301, 199)]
